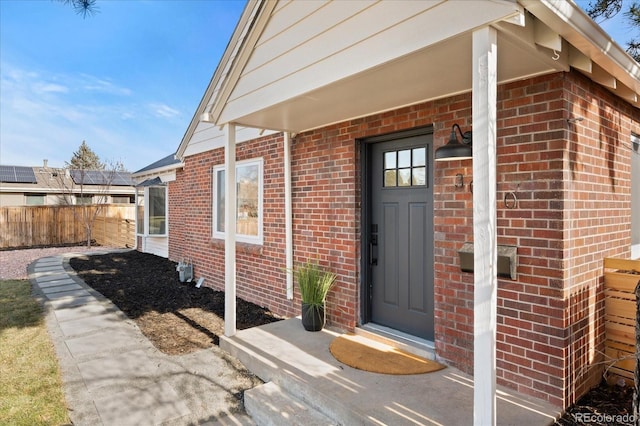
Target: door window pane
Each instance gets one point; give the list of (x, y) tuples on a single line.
[(419, 176), (389, 178), (404, 177), (404, 158), (419, 157), (390, 160)]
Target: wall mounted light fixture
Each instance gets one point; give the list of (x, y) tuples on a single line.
[(454, 149), (459, 180)]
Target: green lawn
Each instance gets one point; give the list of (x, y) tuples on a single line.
[(31, 389)]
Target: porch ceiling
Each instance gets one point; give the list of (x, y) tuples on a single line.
[(298, 89), (434, 72)]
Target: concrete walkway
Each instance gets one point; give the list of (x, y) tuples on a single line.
[(113, 375)]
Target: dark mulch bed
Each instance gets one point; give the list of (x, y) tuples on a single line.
[(605, 405), (177, 317)]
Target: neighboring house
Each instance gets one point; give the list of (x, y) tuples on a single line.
[(332, 112), (41, 186), (152, 221)]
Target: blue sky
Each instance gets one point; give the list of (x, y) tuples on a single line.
[(127, 80)]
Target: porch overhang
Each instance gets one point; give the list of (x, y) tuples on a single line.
[(533, 38)]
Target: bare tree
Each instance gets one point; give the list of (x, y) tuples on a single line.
[(87, 190)]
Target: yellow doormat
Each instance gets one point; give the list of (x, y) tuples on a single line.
[(368, 355)]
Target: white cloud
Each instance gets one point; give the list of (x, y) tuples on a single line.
[(165, 111), (94, 84), (44, 87)]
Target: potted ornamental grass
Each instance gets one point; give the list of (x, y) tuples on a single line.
[(314, 284)]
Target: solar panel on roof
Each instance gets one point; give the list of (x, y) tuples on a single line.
[(17, 174), (101, 177)]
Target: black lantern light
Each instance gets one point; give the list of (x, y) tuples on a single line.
[(454, 149)]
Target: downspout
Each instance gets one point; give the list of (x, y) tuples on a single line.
[(135, 222), (288, 219)]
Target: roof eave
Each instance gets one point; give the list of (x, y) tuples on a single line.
[(574, 25), (164, 169)]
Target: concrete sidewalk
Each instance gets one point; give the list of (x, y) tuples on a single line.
[(113, 375)]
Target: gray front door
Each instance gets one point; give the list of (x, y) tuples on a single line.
[(401, 234)]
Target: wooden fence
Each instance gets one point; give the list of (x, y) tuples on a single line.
[(114, 232), (620, 280), (39, 226)]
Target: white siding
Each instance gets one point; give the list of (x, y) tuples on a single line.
[(10, 199), (156, 245), (208, 137), (308, 46)]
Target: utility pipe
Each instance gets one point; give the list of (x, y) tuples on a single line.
[(288, 219)]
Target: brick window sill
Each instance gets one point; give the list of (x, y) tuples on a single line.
[(244, 248)]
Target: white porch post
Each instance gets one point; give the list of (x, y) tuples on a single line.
[(484, 225), (288, 219), (230, 231)]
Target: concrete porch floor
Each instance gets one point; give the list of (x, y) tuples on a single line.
[(300, 371)]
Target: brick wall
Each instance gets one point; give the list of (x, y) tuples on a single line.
[(571, 181), (260, 269), (598, 216)]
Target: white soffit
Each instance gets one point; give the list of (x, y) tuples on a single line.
[(611, 66), (317, 64)]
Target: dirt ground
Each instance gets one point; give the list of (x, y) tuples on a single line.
[(176, 317)]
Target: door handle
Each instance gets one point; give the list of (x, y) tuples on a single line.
[(373, 250)]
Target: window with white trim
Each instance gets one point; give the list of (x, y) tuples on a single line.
[(151, 211), (248, 204)]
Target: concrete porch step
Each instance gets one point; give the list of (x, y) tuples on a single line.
[(271, 405), (298, 367), (287, 397)]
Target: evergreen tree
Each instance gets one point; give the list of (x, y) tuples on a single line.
[(607, 9), (85, 159)]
